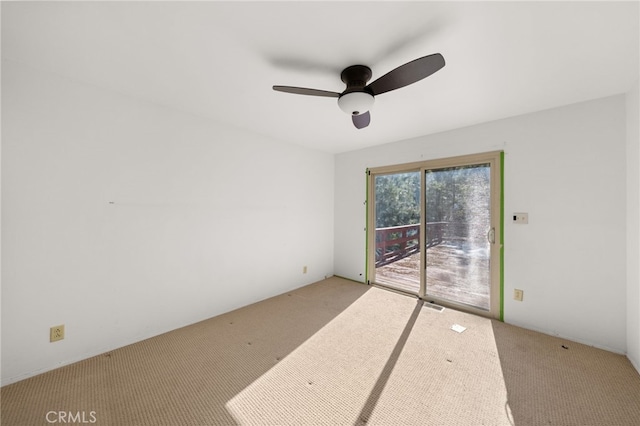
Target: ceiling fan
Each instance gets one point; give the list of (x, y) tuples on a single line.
[(358, 97)]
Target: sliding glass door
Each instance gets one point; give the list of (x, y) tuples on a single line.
[(435, 230), (458, 207), (397, 236)]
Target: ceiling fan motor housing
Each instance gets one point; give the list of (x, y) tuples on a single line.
[(356, 99)]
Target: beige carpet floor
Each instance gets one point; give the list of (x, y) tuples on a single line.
[(338, 353)]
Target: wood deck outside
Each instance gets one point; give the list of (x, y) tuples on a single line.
[(452, 274)]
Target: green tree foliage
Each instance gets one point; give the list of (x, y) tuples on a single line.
[(459, 194), (397, 199), (455, 194)]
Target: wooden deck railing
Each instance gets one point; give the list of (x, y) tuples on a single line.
[(397, 242)]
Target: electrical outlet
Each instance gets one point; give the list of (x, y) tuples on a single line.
[(518, 295), (304, 269), (56, 333)]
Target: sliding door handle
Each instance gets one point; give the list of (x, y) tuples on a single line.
[(491, 236)]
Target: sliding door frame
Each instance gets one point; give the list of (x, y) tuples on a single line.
[(494, 159)]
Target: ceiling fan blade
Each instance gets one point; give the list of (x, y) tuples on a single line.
[(305, 91), (407, 74), (361, 120)]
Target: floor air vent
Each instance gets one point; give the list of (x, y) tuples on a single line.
[(433, 306)]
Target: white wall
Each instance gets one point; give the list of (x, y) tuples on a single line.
[(205, 218), (633, 227), (566, 168)]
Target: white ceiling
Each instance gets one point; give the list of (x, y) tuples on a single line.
[(219, 59)]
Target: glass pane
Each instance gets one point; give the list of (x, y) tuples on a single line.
[(397, 221), (456, 246)]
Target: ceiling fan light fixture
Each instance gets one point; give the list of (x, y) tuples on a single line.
[(355, 103)]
